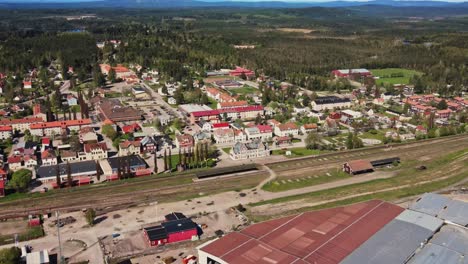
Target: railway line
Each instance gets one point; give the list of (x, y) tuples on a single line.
[(179, 187)]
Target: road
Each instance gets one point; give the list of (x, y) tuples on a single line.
[(161, 101)]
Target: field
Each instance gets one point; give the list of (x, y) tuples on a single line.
[(244, 90), (394, 75), (296, 152), (19, 227), (442, 171)]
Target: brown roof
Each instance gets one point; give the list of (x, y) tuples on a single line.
[(92, 146), (287, 126), (115, 111), (325, 236), (128, 143), (360, 165)]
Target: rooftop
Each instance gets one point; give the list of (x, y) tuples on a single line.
[(314, 237)]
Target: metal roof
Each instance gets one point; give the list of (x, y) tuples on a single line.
[(420, 219), (445, 208), (397, 241), (435, 254), (430, 203), (325, 236), (456, 211)]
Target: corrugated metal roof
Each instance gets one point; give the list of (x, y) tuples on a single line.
[(430, 203), (453, 237), (435, 254), (442, 207), (319, 237), (455, 211), (420, 219), (395, 242)]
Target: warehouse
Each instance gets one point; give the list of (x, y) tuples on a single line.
[(82, 169), (397, 241), (358, 167), (442, 207), (176, 228), (313, 237)]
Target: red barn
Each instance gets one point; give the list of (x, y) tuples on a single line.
[(171, 232), (239, 71), (349, 72)]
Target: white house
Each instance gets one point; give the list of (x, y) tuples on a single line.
[(224, 136), (287, 129)]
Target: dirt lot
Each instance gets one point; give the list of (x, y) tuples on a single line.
[(134, 243), (12, 227), (297, 30)]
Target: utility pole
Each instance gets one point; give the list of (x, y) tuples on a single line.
[(60, 258)]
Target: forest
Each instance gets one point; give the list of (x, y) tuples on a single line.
[(301, 46)]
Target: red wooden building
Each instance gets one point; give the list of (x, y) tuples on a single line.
[(180, 229)]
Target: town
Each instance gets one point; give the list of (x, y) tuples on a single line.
[(165, 164)]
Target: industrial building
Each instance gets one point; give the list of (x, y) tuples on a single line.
[(432, 231), (176, 228)]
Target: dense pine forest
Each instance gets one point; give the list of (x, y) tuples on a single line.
[(297, 45)]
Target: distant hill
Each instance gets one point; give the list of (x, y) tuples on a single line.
[(214, 3)]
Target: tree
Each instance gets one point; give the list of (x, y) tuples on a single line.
[(75, 144), (357, 142), (165, 160), (349, 141), (155, 163), (69, 175), (20, 180), (112, 76), (10, 255), (109, 131), (98, 171), (442, 105), (58, 179), (170, 159), (90, 215), (313, 141)]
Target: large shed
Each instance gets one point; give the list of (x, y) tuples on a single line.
[(358, 167)]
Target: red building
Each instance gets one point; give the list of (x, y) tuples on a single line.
[(2, 188), (350, 72), (176, 230), (239, 71)]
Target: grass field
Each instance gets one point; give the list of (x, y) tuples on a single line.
[(244, 90), (401, 76), (280, 185), (296, 152), (451, 165)]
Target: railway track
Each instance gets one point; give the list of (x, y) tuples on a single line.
[(108, 196)]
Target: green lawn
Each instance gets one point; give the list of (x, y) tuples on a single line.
[(280, 185), (296, 152), (227, 150), (244, 90), (374, 134), (386, 75)]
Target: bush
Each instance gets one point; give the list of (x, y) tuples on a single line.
[(10, 255)]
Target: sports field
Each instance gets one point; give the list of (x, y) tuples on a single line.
[(394, 75)]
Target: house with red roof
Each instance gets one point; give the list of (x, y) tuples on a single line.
[(224, 136), (308, 128), (27, 84), (262, 132), (21, 124), (287, 129), (3, 174), (48, 157), (39, 111), (223, 105), (95, 151), (443, 114), (129, 147), (17, 162), (128, 129), (121, 72), (223, 125), (58, 127), (184, 141)]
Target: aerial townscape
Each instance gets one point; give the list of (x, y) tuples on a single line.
[(230, 132)]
